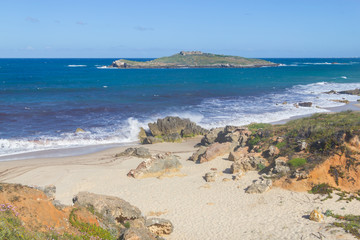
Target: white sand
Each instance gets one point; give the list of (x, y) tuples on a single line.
[(198, 210)]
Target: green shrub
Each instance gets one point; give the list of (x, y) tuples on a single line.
[(322, 189), (297, 162), (89, 230), (280, 145)]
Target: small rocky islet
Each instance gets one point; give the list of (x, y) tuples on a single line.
[(195, 59)]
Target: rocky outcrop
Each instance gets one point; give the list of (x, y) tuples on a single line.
[(214, 151), (355, 91), (260, 186), (140, 152), (159, 226), (171, 129), (156, 166), (232, 134), (115, 209)]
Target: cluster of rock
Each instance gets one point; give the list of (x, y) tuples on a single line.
[(170, 129), (156, 166), (355, 91), (115, 211)]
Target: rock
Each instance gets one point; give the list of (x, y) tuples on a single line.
[(273, 150), (172, 125), (198, 153), (238, 176), (172, 137), (142, 134), (211, 136), (152, 140), (331, 92), (140, 152), (355, 141), (341, 101), (260, 186), (137, 234), (351, 92), (210, 176), (159, 226), (49, 190), (156, 166), (302, 145), (299, 175), (249, 162), (215, 150), (226, 179), (241, 152), (281, 166), (305, 104), (316, 216), (111, 208), (79, 130)]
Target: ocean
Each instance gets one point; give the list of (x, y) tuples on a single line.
[(44, 101)]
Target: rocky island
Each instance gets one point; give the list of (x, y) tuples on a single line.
[(194, 59)]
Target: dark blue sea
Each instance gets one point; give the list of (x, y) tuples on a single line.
[(43, 101)]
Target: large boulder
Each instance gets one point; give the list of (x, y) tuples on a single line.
[(198, 153), (238, 136), (159, 226), (250, 162), (151, 140), (239, 153), (211, 136), (260, 186), (140, 152), (114, 209), (156, 166), (215, 150), (171, 125), (281, 167)]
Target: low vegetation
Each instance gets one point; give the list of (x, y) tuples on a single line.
[(350, 223)]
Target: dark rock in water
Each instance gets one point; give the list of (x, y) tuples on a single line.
[(140, 152), (159, 226), (305, 104), (114, 209), (331, 92), (351, 92), (156, 166)]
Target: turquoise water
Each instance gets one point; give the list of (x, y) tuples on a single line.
[(43, 101)]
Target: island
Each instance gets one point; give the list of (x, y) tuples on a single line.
[(195, 59)]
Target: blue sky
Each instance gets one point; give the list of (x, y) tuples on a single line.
[(143, 28)]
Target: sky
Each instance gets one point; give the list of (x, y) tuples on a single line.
[(143, 28)]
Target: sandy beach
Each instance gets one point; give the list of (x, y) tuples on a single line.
[(198, 210)]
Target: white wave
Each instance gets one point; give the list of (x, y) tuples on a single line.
[(102, 67), (125, 132), (344, 77), (318, 63), (71, 65)]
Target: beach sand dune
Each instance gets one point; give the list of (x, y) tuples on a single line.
[(198, 210)]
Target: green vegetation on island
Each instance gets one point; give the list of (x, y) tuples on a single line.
[(194, 59)]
